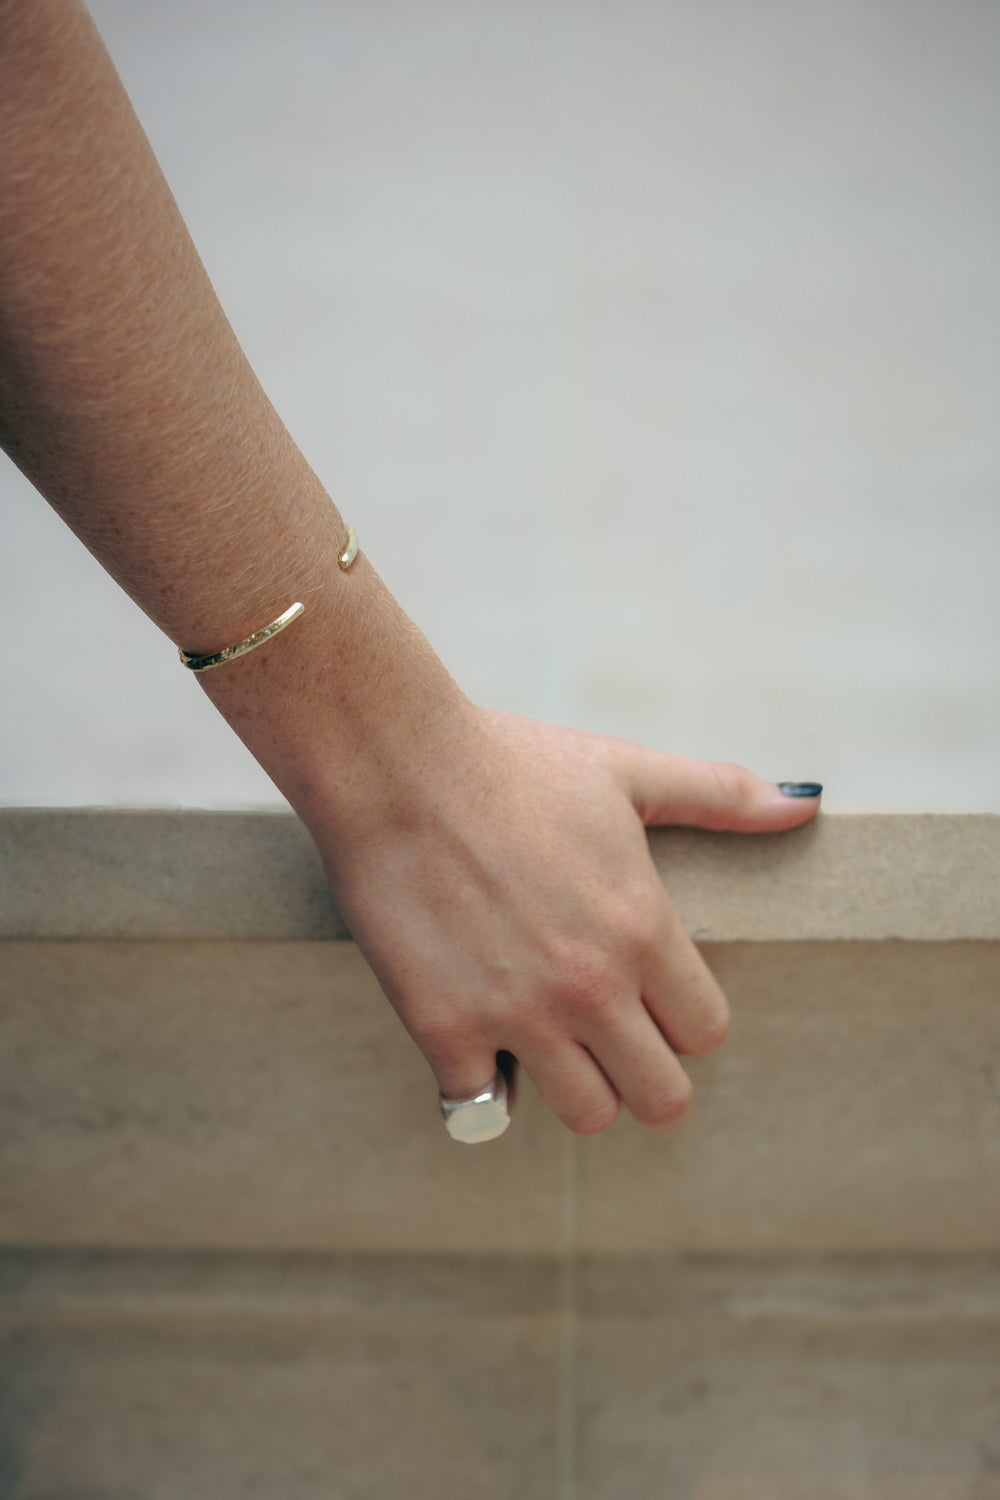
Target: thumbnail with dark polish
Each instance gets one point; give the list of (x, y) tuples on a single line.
[(799, 788)]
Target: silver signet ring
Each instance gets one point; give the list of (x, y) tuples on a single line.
[(481, 1117)]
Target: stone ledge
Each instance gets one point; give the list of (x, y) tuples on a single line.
[(263, 1096), (92, 873), (65, 1285)]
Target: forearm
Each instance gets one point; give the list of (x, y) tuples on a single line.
[(126, 399), (125, 396)]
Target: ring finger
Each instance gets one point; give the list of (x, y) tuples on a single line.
[(682, 994), (642, 1067)]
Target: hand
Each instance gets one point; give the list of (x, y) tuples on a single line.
[(514, 906)]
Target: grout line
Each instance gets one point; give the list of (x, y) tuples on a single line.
[(569, 1344)]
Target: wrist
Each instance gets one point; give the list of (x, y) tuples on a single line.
[(349, 710)]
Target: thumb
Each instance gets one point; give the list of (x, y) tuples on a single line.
[(714, 794)]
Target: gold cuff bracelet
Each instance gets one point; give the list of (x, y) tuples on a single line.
[(230, 653)]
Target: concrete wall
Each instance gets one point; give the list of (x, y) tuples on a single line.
[(226, 1272), (650, 345)]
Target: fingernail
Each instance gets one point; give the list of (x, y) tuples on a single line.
[(799, 788)]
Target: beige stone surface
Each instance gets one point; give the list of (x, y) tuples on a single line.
[(227, 1375), (259, 1095), (112, 873), (264, 1095), (854, 1105), (904, 1485), (702, 1408), (240, 1257), (844, 877), (117, 873), (70, 1284), (890, 1287), (295, 1404)]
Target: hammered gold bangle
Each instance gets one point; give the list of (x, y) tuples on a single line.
[(230, 653)]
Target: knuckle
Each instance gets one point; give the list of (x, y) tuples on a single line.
[(712, 1034), (444, 1037), (642, 923), (591, 1121), (588, 983), (735, 783), (668, 1108), (596, 1012)]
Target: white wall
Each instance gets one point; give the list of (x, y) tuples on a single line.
[(652, 346)]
